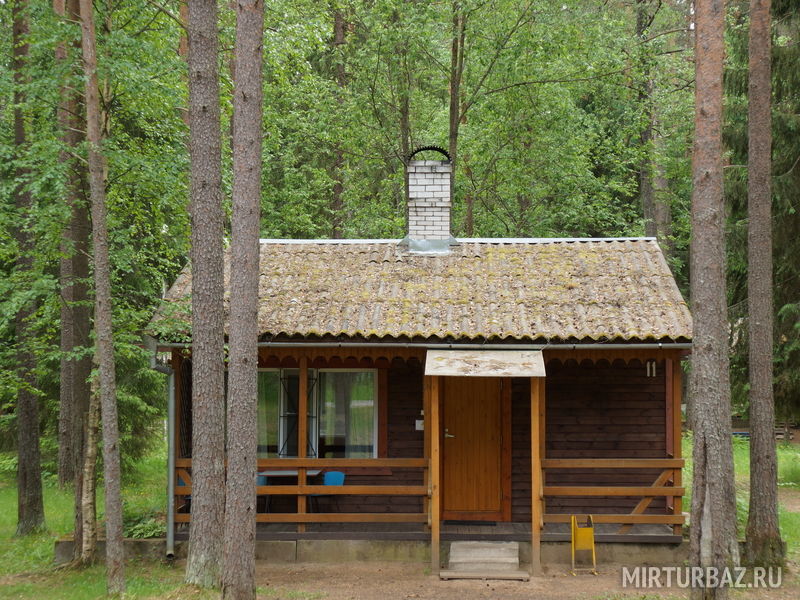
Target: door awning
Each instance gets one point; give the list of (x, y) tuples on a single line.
[(485, 363)]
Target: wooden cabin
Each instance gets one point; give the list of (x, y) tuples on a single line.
[(467, 389)]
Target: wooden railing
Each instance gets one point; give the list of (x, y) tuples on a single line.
[(667, 484), (303, 490)]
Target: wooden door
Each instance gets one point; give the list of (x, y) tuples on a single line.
[(476, 444)]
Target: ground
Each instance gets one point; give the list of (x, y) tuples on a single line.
[(361, 581), (789, 498), (398, 581)]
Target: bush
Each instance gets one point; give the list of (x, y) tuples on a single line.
[(150, 525)]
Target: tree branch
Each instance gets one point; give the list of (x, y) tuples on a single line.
[(494, 59), (167, 12), (565, 80), (792, 168)]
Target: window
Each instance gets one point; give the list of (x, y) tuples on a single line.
[(347, 414), (269, 387), (342, 413)]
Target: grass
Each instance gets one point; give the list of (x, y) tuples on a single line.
[(26, 564), (143, 579), (788, 477), (789, 465), (284, 594)]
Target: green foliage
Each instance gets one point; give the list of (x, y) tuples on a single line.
[(786, 196), (549, 146), (149, 526), (143, 91)]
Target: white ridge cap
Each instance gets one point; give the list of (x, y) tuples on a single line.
[(466, 240)]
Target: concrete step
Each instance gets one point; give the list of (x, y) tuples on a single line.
[(481, 557), (513, 575)]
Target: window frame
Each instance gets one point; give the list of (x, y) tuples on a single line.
[(313, 429), (316, 399), (375, 403)]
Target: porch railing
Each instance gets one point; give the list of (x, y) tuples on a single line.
[(303, 490), (667, 485)]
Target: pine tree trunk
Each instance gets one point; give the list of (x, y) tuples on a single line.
[(456, 73), (404, 114), (66, 417), (240, 494), (647, 192), (337, 202), (763, 537), (183, 46), (645, 96), (30, 504), (74, 387), (405, 141), (88, 506), (73, 276), (208, 414), (663, 208), (713, 531), (115, 574)]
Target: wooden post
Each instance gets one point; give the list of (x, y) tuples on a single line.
[(542, 440), (677, 396), (302, 434), (176, 424), (383, 413), (432, 423), (669, 405), (426, 416), (536, 474)]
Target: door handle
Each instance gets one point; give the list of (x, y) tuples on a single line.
[(448, 435)]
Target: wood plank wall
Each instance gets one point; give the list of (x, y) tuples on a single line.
[(594, 410)]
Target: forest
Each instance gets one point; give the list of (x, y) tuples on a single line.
[(562, 118)]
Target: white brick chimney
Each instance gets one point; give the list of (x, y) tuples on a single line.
[(429, 199)]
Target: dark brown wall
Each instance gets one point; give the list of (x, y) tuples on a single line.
[(593, 410)]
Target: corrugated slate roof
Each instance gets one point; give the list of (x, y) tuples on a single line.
[(532, 290)]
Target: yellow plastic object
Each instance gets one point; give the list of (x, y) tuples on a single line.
[(583, 539)]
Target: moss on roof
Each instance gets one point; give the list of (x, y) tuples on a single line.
[(516, 290)]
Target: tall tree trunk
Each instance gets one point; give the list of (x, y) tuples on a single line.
[(74, 386), (647, 192), (763, 537), (713, 532), (646, 189), (337, 202), (404, 112), (663, 208), (240, 494), (456, 73), (30, 506), (183, 45), (104, 336), (88, 508), (208, 417), (405, 138)]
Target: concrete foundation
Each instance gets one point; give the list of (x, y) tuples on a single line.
[(290, 551)]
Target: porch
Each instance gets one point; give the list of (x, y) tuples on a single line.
[(620, 462), (452, 532)]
